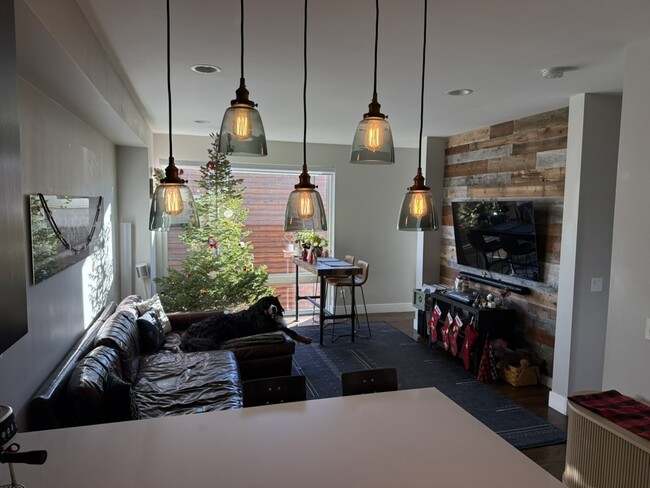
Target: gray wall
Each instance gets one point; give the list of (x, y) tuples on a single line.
[(61, 155), (581, 323), (429, 243), (73, 108), (133, 194), (627, 352), (13, 301)]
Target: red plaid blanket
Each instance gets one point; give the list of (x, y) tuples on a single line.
[(624, 411)]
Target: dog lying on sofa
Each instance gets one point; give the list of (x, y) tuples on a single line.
[(266, 315)]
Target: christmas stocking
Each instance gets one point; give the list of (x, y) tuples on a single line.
[(471, 334), (484, 370), (453, 335), (445, 331), (433, 323)]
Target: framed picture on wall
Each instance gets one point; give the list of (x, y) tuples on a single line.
[(61, 230)]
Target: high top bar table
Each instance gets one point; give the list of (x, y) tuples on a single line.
[(325, 268)]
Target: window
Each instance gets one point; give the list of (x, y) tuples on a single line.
[(265, 196)]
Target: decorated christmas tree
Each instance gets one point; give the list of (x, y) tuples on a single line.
[(218, 272)]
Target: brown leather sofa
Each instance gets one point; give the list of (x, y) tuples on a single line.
[(106, 378)]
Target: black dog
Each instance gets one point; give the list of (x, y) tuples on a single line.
[(263, 316)]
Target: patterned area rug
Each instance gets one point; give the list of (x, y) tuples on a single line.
[(417, 367)]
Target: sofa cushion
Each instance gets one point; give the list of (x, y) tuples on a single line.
[(154, 304), (130, 303), (175, 384), (152, 336), (120, 332), (95, 392)]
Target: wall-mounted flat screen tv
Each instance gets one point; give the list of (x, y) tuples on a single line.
[(498, 237)]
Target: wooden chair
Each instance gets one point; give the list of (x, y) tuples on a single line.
[(277, 389), (368, 381)]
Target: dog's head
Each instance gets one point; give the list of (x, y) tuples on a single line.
[(272, 307)]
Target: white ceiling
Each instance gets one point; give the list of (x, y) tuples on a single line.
[(496, 47)]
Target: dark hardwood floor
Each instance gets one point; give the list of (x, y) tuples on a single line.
[(534, 398)]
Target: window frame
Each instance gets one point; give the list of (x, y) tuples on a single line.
[(160, 242)]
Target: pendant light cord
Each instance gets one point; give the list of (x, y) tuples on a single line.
[(241, 35), (424, 59), (169, 85), (374, 88), (304, 97)]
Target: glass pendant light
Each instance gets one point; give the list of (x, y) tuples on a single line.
[(418, 208), (172, 203), (373, 140), (305, 208), (242, 132)]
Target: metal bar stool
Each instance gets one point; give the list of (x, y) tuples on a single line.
[(359, 281)]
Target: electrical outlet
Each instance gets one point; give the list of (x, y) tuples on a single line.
[(647, 328), (596, 285)]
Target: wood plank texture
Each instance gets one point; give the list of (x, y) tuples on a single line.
[(521, 159)]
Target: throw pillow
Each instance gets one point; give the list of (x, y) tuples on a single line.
[(153, 303), (152, 336)]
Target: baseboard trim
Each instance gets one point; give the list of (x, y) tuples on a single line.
[(378, 307), (390, 307), (557, 402)]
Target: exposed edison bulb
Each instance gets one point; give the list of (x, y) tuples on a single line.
[(374, 135), (305, 205), (242, 127), (173, 202), (418, 206)]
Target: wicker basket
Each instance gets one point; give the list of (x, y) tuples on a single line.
[(521, 375)]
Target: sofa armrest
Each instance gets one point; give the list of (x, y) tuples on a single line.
[(48, 408)]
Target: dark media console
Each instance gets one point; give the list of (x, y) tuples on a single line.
[(520, 290), (495, 323)]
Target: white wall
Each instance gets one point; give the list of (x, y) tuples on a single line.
[(60, 155), (627, 352), (592, 152), (367, 203)]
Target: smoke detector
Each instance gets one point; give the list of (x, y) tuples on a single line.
[(552, 73)]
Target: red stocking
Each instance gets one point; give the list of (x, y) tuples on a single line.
[(445, 331), (484, 371), (453, 335), (433, 322), (471, 334)]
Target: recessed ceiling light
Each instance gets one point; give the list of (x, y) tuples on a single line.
[(460, 92), (552, 73), (200, 121), (206, 69)]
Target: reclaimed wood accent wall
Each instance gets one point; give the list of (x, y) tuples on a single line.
[(521, 159)]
